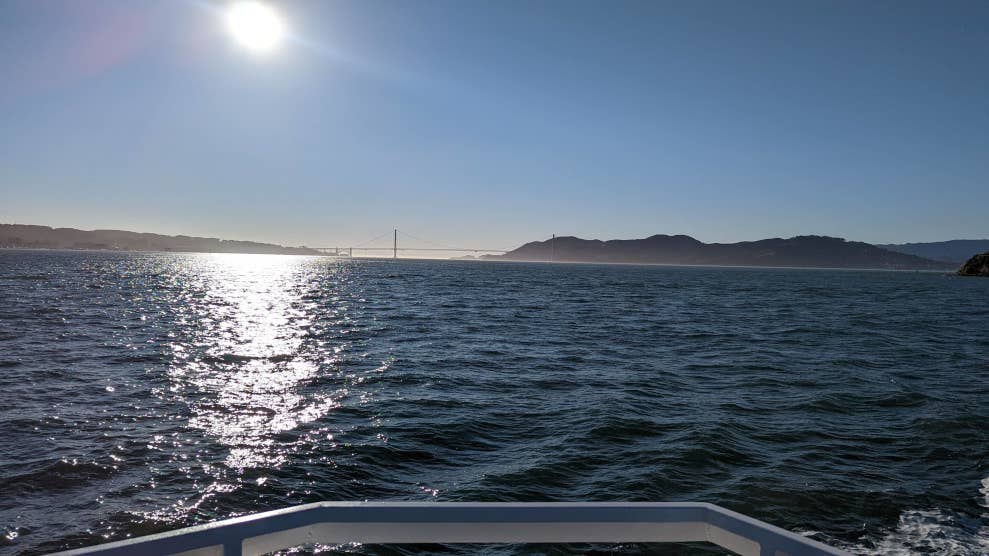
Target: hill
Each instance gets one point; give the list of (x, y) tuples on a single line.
[(26, 236), (954, 251), (800, 251)]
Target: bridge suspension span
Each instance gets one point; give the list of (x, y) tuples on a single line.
[(394, 248)]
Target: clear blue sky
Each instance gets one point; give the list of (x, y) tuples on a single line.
[(494, 123)]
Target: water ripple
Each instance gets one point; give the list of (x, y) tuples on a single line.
[(144, 392)]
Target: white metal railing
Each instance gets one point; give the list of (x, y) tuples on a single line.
[(474, 523)]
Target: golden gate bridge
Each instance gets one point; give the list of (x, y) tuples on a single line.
[(394, 248)]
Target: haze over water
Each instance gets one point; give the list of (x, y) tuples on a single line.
[(145, 392)]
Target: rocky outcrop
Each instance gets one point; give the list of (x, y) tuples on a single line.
[(976, 266)]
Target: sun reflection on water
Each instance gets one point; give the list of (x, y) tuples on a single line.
[(243, 365)]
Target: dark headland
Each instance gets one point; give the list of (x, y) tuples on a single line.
[(43, 237), (800, 251), (976, 266)]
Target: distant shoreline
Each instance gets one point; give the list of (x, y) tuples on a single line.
[(496, 261), (46, 237), (809, 251), (158, 251), (724, 266)]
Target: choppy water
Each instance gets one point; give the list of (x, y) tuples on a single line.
[(143, 392)]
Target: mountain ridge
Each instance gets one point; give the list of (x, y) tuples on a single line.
[(953, 251), (798, 251), (46, 237)]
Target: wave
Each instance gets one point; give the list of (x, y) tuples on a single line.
[(235, 358), (931, 532), (936, 531), (56, 475)]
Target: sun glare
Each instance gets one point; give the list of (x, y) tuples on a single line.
[(255, 25)]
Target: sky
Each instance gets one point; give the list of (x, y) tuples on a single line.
[(490, 124)]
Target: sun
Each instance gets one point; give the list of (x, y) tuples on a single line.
[(255, 25)]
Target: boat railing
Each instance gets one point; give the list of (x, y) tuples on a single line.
[(333, 523)]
